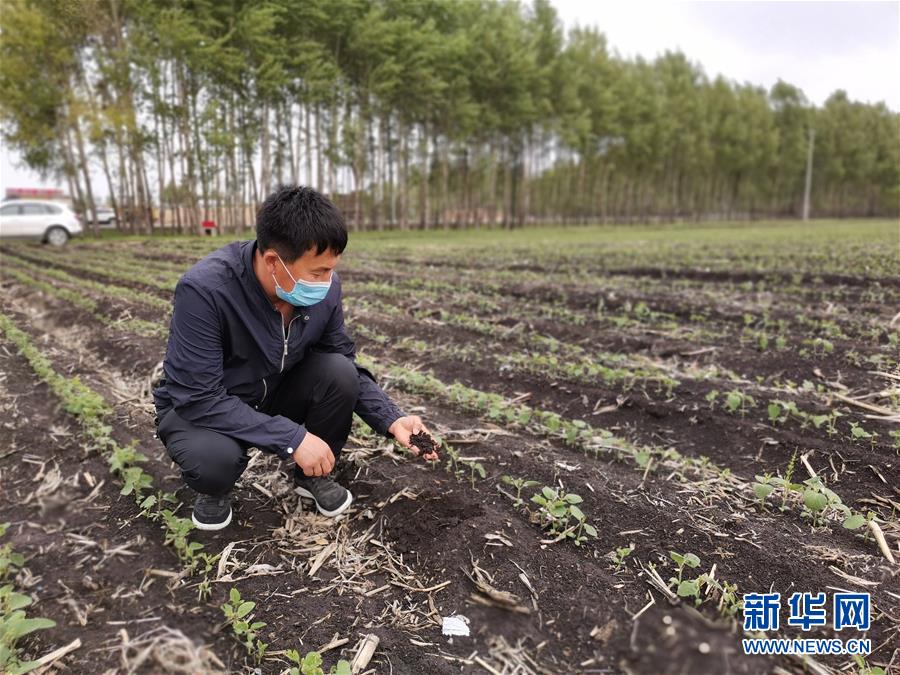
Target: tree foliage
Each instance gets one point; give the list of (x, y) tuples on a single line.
[(435, 113)]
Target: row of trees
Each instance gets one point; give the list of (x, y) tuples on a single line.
[(412, 114)]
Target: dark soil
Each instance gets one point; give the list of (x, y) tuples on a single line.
[(424, 443), (70, 535), (580, 614), (686, 420)]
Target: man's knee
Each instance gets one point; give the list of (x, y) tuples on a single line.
[(340, 372), (214, 468), (212, 464)]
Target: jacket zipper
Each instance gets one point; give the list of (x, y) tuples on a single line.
[(265, 392), (286, 336)]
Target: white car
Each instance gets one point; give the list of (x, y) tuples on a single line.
[(30, 219), (106, 217)]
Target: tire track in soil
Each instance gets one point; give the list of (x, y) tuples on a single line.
[(66, 513)]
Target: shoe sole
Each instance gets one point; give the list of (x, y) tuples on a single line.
[(303, 492), (211, 527)]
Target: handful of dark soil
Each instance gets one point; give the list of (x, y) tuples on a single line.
[(424, 442)]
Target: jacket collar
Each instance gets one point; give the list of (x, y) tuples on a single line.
[(248, 274)]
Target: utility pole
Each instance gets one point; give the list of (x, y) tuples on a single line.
[(809, 158)]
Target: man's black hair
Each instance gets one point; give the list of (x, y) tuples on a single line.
[(294, 219)]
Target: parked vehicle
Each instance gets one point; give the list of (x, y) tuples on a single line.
[(48, 222), (106, 217)]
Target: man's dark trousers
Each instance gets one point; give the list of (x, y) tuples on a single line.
[(319, 392)]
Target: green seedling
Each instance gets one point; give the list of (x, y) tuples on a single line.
[(557, 509), (682, 560), (895, 435), (14, 625), (311, 664), (736, 400), (817, 499), (238, 616), (453, 461), (135, 481), (10, 561), (618, 555), (858, 520), (864, 668), (152, 505), (858, 433), (518, 484), (14, 621), (475, 468), (787, 486), (762, 488), (123, 457)]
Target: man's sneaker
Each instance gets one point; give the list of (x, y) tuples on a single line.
[(211, 513), (331, 498)]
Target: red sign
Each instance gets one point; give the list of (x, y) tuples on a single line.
[(35, 193)]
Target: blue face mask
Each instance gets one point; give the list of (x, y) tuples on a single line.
[(304, 293)]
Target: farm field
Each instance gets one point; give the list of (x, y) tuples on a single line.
[(702, 411)]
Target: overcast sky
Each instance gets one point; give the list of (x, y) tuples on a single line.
[(817, 46)]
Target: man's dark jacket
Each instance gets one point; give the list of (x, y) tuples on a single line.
[(228, 350)]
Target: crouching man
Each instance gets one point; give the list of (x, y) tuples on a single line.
[(258, 356)]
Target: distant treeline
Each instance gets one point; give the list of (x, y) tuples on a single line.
[(425, 113)]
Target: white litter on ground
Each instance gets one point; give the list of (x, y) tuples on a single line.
[(455, 625)]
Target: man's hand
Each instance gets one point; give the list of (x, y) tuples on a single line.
[(404, 427), (313, 456)]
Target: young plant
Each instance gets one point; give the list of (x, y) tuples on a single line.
[(736, 400), (763, 487), (14, 621), (618, 555), (865, 668), (311, 664), (787, 486), (818, 499), (557, 509), (135, 481), (475, 468), (858, 520), (152, 505), (453, 461), (858, 433), (238, 615), (682, 560), (14, 625), (10, 561), (518, 484)]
